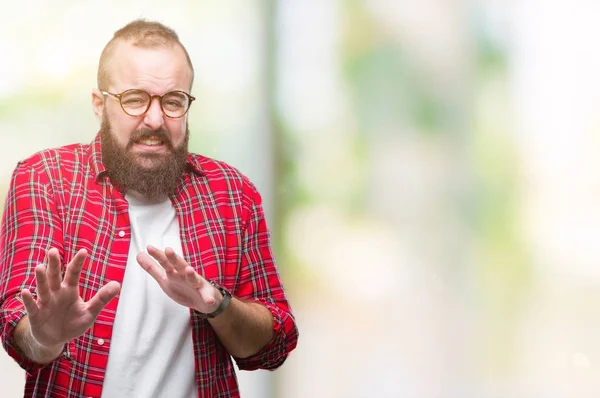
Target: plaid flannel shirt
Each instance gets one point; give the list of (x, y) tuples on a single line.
[(63, 198)]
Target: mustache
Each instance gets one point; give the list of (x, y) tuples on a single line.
[(146, 133)]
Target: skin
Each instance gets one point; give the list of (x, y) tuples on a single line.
[(59, 314), (157, 71)]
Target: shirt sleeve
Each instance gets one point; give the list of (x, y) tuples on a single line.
[(259, 281), (30, 226)]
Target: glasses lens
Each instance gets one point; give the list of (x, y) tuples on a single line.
[(135, 102), (175, 103)]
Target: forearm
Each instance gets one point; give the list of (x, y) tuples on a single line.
[(244, 328), (30, 347)]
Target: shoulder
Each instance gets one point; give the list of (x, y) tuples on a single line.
[(64, 159), (225, 181), (221, 173)]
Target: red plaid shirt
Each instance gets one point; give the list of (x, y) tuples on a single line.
[(63, 198)]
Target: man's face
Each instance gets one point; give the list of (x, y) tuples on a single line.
[(157, 70), (152, 147)]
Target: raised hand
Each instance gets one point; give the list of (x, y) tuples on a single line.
[(59, 314), (179, 280)]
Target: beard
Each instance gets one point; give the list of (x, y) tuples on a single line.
[(127, 173)]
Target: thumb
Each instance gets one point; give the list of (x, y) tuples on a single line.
[(103, 297)]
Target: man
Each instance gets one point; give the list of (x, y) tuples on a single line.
[(130, 267)]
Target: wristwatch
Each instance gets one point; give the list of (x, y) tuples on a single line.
[(224, 303)]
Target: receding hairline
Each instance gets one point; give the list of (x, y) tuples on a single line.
[(143, 34)]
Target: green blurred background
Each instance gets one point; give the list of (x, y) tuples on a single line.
[(429, 169)]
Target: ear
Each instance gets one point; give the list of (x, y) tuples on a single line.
[(98, 103)]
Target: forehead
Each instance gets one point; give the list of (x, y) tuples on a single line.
[(156, 69)]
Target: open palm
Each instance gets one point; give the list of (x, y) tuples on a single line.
[(59, 314), (179, 280)]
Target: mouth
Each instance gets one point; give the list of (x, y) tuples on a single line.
[(151, 141), (150, 144)]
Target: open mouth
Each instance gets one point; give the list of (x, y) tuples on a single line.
[(152, 141)]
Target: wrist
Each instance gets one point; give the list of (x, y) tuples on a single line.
[(44, 346), (47, 350), (31, 347)]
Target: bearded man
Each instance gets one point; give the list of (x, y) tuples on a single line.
[(130, 267)]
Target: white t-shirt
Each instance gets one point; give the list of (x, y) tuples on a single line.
[(151, 352)]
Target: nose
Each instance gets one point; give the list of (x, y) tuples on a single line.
[(154, 118)]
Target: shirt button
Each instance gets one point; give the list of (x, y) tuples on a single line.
[(121, 233), (100, 341)]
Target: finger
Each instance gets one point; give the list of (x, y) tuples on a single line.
[(73, 271), (103, 297), (150, 266), (208, 299), (30, 305), (193, 278), (41, 280), (53, 269), (178, 262), (206, 290), (162, 259)]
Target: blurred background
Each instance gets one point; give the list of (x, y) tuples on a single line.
[(430, 172)]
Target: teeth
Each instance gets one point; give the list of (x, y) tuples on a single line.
[(150, 141)]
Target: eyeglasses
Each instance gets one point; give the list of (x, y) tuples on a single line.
[(136, 102)]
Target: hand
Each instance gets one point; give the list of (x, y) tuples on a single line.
[(179, 280), (59, 314)]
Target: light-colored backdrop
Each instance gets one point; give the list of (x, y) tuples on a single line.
[(430, 172)]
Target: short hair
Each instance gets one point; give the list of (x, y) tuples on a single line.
[(140, 33)]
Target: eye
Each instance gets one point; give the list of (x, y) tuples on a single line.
[(133, 101), (173, 103), (135, 98)]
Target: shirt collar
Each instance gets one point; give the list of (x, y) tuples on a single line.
[(95, 159)]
